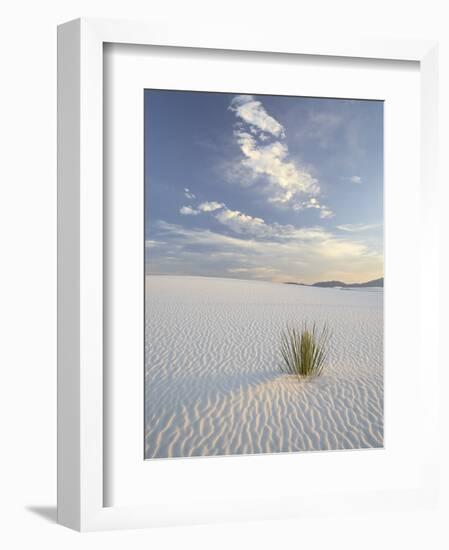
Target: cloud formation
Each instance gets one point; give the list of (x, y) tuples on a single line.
[(252, 112), (352, 179), (242, 223), (299, 254), (357, 227), (326, 213), (210, 206), (188, 211), (149, 243), (313, 202), (262, 142), (286, 181), (246, 224), (280, 224)]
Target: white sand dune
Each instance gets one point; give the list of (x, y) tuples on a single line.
[(212, 380)]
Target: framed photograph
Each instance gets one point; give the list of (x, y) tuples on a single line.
[(263, 313), (236, 338)]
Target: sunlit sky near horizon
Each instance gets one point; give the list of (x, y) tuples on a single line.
[(263, 187)]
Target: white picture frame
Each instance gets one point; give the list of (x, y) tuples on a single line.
[(81, 404)]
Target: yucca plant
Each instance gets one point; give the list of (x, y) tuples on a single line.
[(304, 350)]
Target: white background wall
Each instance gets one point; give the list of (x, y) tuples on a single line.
[(28, 270)]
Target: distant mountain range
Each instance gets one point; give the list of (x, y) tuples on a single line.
[(340, 284)]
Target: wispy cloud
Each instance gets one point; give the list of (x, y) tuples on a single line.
[(287, 158), (243, 223), (266, 158), (357, 227), (304, 254), (352, 179), (200, 237), (210, 206), (188, 211), (246, 224), (326, 213), (253, 113), (149, 243), (286, 181), (320, 127), (258, 236), (203, 207), (262, 142)]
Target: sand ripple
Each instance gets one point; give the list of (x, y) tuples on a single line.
[(212, 379)]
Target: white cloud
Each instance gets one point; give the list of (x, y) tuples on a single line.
[(353, 179), (189, 193), (326, 213), (312, 203), (188, 211), (340, 249), (242, 223), (357, 227), (210, 206), (303, 254), (285, 179), (266, 158), (201, 237), (151, 244), (252, 112)]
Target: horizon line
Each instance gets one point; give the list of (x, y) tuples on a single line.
[(262, 279)]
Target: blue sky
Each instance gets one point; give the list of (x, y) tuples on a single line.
[(263, 187)]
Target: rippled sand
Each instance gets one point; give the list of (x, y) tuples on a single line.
[(212, 379)]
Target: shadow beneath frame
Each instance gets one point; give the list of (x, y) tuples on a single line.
[(49, 513)]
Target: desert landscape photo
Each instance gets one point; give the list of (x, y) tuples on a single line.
[(263, 274)]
